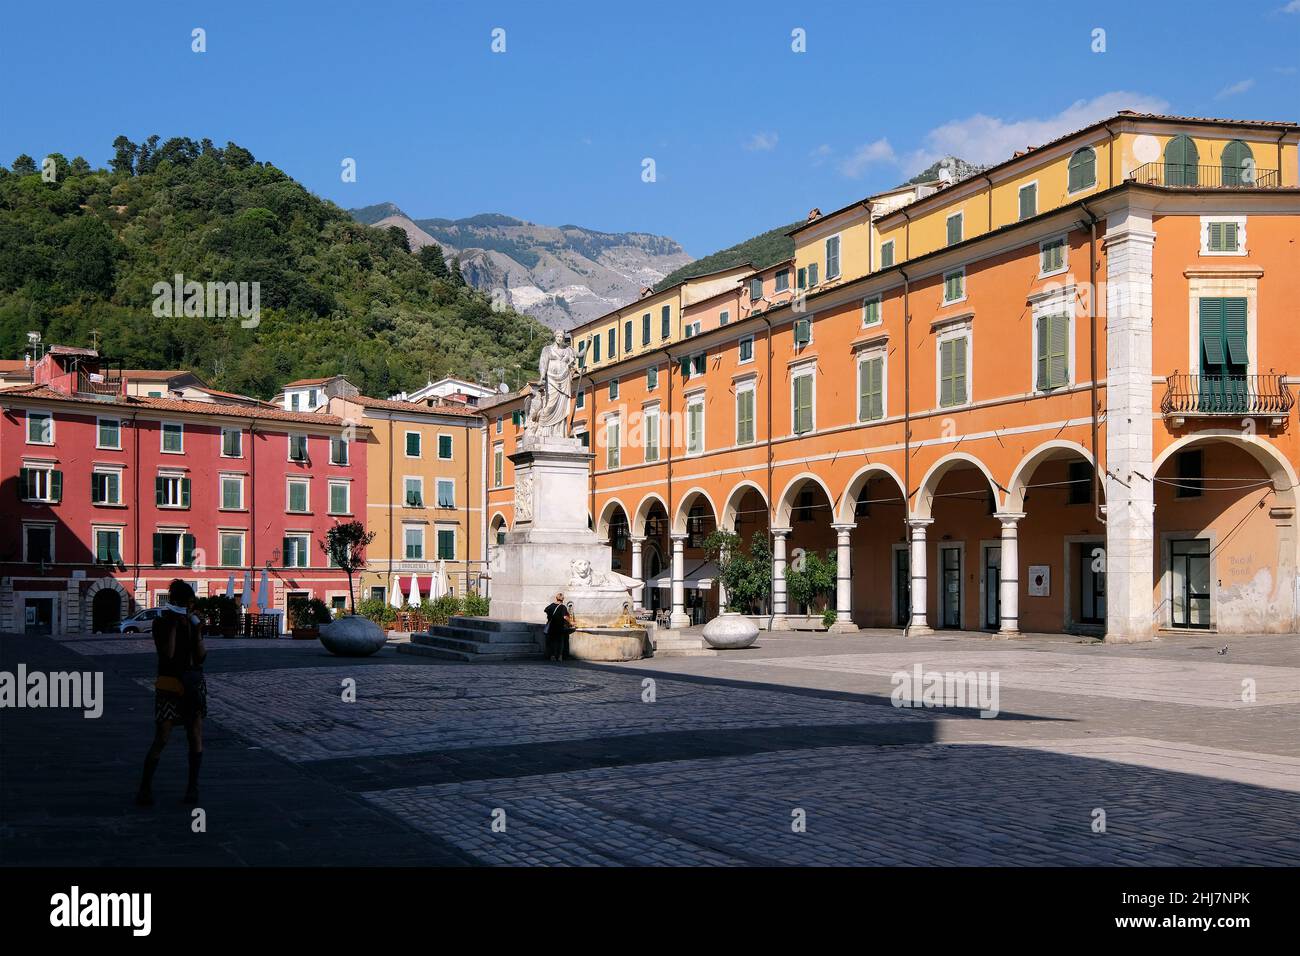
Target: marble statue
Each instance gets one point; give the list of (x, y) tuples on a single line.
[(547, 414)]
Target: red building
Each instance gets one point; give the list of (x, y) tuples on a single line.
[(109, 497)]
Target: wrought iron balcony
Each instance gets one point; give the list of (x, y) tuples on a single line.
[(1227, 396), (1214, 177)]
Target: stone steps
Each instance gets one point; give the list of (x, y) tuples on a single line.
[(477, 640), (682, 647)]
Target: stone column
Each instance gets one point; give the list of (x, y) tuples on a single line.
[(917, 569), (779, 536), (637, 596), (722, 588), (1130, 506), (1009, 574), (843, 579), (679, 618)]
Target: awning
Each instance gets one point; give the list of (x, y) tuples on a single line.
[(700, 575)]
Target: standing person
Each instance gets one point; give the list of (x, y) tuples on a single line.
[(558, 627), (180, 692)]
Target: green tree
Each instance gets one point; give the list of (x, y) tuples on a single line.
[(432, 260), (746, 576), (24, 165), (345, 545), (812, 585), (124, 152), (456, 276)]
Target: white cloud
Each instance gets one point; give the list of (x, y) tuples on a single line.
[(1292, 7), (762, 142), (865, 155), (986, 139), (1241, 86), (820, 154)]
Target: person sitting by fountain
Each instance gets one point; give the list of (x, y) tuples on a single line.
[(558, 628)]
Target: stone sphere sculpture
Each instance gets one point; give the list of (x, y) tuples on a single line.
[(353, 636), (730, 631)]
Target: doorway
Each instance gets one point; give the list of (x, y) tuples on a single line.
[(105, 610), (1092, 584), (950, 595), (38, 616), (992, 610), (1189, 561), (902, 586)]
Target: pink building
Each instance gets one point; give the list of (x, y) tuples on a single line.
[(110, 496)]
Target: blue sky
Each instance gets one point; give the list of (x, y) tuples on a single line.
[(746, 134)]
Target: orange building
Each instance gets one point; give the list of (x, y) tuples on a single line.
[(1054, 396)]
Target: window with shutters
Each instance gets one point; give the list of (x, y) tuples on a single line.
[(645, 329), (172, 491), (108, 545), (413, 542), (745, 413), (106, 487), (413, 444), (746, 350), (580, 398), (340, 498), (498, 466), (613, 443), (295, 550), (446, 544), (812, 274), (446, 493), (695, 425), (954, 286), (755, 289), (1029, 200), (232, 493), (413, 492), (871, 311), (1237, 164), (802, 332), (40, 428), (783, 280), (298, 497), (953, 360), (1225, 355), (339, 450), (595, 348), (173, 549), (297, 447), (871, 387), (613, 389), (38, 543), (833, 257), (1052, 257), (693, 366), (173, 438), (650, 425), (41, 484), (887, 254), (232, 550), (108, 434), (627, 336), (803, 278), (724, 316), (1083, 169), (652, 378), (1052, 351), (665, 322), (232, 443), (613, 343), (802, 401), (1223, 235), (692, 329), (1181, 162), (956, 223)]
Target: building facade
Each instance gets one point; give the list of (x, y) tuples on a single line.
[(1054, 396)]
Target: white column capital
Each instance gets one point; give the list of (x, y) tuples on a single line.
[(781, 532), (1009, 519), (919, 524), (637, 540), (843, 527), (678, 538)]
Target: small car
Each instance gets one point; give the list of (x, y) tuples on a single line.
[(138, 622)]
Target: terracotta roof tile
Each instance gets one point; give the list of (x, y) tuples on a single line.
[(46, 394)]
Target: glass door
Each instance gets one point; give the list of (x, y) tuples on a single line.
[(950, 600), (1190, 573), (1092, 590), (902, 587), (992, 586)]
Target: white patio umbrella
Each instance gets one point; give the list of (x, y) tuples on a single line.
[(248, 589), (264, 592), (230, 585), (438, 586), (395, 599), (414, 599)]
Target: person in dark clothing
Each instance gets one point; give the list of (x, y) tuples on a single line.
[(559, 626), (180, 692)]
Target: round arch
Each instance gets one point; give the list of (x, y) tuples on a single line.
[(925, 493), (846, 513), (643, 512), (88, 604), (684, 506), (1019, 485), (734, 498), (1270, 459), (785, 503), (607, 516)]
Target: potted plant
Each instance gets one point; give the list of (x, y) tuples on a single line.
[(747, 580), (350, 635), (810, 583), (307, 615)]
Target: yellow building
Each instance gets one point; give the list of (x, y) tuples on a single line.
[(425, 491)]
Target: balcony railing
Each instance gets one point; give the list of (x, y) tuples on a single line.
[(1214, 177), (99, 383), (1232, 396)]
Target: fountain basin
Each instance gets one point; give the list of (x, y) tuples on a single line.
[(609, 644)]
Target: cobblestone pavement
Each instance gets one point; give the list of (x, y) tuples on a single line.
[(679, 760)]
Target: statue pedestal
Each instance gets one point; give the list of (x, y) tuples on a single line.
[(550, 548)]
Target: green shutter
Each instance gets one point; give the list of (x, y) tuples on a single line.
[(1058, 354), (1236, 158), (959, 370), (56, 486), (887, 255), (1028, 201), (1041, 330), (803, 404), (158, 491), (686, 366), (187, 550), (25, 482), (1181, 159), (870, 390), (1212, 357), (1234, 332), (157, 551), (945, 374), (802, 332), (185, 492), (954, 229)]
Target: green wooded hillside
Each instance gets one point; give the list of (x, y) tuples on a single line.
[(82, 252)]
